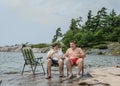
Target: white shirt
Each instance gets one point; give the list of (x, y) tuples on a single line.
[(56, 55)]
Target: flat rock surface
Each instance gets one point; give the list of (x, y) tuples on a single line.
[(109, 76), (28, 79)]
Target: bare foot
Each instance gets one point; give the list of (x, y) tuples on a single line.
[(70, 76), (78, 76)]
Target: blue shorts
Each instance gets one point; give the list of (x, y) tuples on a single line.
[(54, 61)]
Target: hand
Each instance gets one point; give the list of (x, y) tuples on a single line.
[(55, 51)]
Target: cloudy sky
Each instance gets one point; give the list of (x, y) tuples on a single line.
[(35, 21)]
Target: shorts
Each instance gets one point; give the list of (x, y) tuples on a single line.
[(74, 61), (54, 61)]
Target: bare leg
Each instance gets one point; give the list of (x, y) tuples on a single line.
[(69, 67), (60, 62), (79, 63), (49, 62)]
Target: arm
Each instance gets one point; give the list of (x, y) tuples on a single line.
[(82, 54), (67, 53), (50, 54), (60, 54)]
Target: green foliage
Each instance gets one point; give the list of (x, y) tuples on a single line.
[(68, 37), (64, 48), (86, 39), (75, 24), (99, 36), (57, 35), (97, 29), (42, 45)]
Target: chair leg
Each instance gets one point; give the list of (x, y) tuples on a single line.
[(47, 71), (82, 71), (23, 69), (67, 72), (63, 70), (32, 68), (35, 68), (43, 68)]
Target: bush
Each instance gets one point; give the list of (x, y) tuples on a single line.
[(42, 45)]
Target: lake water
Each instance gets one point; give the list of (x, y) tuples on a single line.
[(13, 62)]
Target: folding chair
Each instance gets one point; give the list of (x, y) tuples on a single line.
[(30, 59)]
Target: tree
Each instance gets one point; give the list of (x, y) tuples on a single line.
[(88, 23), (75, 23), (97, 29), (99, 36), (100, 19), (87, 39), (73, 30), (57, 35)]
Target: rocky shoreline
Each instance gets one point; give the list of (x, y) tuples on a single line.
[(18, 49), (113, 49)]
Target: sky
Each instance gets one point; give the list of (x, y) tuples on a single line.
[(35, 21)]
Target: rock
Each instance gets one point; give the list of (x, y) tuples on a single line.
[(117, 66), (109, 76), (10, 49), (18, 49), (45, 50), (36, 50), (41, 50), (113, 49)]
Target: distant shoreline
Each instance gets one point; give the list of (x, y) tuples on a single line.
[(113, 49)]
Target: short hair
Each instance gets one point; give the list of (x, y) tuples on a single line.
[(73, 42), (55, 44)]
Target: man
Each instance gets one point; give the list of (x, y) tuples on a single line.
[(54, 56), (74, 56)]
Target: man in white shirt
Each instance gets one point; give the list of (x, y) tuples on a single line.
[(54, 56)]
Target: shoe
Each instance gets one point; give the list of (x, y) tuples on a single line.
[(61, 76), (48, 77)]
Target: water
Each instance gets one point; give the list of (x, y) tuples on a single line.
[(13, 62)]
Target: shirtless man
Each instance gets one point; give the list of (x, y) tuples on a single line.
[(74, 56)]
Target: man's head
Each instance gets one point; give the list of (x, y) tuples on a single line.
[(73, 45), (55, 46)]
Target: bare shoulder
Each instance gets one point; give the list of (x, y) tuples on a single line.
[(79, 49), (68, 49)]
